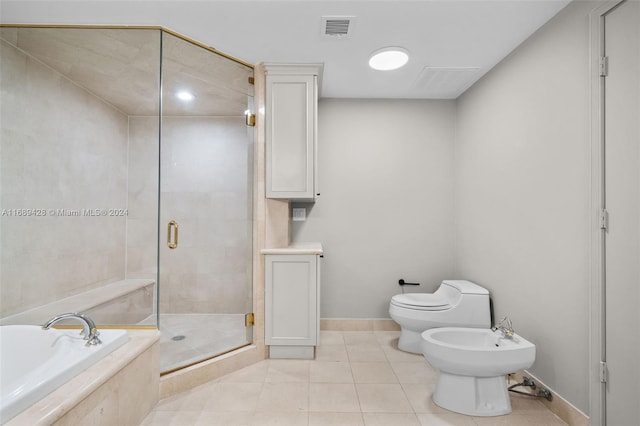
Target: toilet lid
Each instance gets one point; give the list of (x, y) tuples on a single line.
[(421, 301)]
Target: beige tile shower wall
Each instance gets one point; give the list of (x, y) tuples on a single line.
[(206, 190), (63, 151), (142, 221)]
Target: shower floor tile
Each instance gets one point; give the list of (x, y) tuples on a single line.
[(339, 389), (189, 338)]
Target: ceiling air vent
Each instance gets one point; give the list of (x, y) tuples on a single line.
[(337, 26), (445, 82)]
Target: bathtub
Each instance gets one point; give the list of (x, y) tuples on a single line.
[(35, 362)]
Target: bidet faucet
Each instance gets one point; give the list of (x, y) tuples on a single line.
[(505, 326), (89, 330)]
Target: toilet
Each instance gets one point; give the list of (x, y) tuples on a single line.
[(456, 303), (473, 363)]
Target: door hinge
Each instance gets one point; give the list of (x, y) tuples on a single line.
[(249, 320), (604, 66), (251, 120), (252, 80), (604, 219), (604, 373)]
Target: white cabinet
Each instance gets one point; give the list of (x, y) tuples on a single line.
[(292, 286), (291, 131)]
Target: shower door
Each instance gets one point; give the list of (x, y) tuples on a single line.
[(206, 194)]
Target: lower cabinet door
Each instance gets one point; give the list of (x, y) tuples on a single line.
[(291, 299)]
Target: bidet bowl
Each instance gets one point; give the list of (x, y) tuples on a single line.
[(476, 352)]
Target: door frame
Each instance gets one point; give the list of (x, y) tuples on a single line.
[(597, 320)]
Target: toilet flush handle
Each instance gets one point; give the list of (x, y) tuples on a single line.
[(402, 282)]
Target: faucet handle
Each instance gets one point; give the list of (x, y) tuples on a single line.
[(93, 338), (503, 320), (506, 326), (509, 323)]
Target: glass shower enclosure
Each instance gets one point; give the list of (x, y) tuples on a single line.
[(126, 184)]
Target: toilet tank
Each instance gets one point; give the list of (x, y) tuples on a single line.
[(466, 287), (472, 306)]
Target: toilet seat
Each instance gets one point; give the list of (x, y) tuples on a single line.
[(421, 302)]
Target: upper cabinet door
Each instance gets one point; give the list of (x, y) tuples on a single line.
[(291, 126)]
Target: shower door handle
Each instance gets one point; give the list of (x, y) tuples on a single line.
[(172, 235)]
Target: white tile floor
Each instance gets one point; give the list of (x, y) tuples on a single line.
[(357, 378)]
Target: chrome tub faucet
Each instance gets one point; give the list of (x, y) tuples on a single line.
[(89, 330)]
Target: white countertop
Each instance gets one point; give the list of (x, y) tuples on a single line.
[(296, 248)]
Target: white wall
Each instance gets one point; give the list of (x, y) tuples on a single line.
[(386, 209), (520, 175), (522, 195)]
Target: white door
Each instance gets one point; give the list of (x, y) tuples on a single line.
[(622, 202)]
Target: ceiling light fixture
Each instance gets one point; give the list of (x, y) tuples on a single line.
[(183, 95), (388, 58)]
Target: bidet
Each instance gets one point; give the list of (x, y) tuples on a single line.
[(473, 363)]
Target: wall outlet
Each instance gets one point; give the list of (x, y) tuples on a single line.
[(299, 214)]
